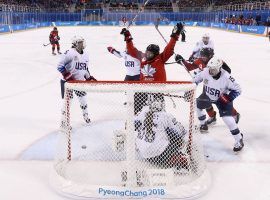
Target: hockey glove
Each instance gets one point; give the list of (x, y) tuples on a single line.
[(191, 58), (179, 59), (111, 49), (224, 99), (127, 35), (58, 38), (91, 78), (67, 76), (178, 28)]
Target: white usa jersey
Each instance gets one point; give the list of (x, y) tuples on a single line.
[(200, 45), (75, 63), (132, 65), (214, 88), (153, 144)]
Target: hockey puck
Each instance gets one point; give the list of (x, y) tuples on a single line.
[(83, 146)]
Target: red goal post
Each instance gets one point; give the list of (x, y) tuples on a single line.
[(141, 139)]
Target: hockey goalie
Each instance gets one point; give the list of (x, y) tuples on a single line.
[(160, 137)]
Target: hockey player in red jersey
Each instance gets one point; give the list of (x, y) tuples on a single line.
[(152, 61), (198, 65), (54, 40)]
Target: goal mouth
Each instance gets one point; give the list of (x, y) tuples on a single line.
[(129, 140)]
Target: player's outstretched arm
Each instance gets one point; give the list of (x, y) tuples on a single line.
[(132, 50), (114, 52), (169, 49)]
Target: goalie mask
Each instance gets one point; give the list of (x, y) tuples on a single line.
[(214, 66), (79, 43), (156, 102)]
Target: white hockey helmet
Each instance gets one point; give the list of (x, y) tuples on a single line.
[(214, 66), (156, 102), (78, 42), (206, 38)]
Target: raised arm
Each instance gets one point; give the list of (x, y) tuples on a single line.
[(131, 49), (169, 49)]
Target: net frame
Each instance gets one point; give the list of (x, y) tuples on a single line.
[(68, 188)]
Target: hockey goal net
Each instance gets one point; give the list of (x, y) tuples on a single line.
[(141, 142)]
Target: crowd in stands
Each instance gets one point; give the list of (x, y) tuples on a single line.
[(196, 5), (126, 6), (240, 20), (233, 2), (132, 5)]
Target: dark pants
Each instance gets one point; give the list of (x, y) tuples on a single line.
[(204, 102), (132, 78)]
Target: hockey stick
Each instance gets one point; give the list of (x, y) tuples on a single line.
[(140, 10), (170, 63), (156, 27), (46, 44)]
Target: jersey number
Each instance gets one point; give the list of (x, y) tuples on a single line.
[(232, 79)]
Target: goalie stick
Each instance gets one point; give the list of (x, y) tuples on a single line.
[(140, 10), (156, 27)]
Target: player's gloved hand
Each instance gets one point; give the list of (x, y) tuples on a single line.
[(127, 34), (191, 58), (67, 76), (111, 49), (91, 78), (58, 38), (177, 29), (179, 59), (224, 98)]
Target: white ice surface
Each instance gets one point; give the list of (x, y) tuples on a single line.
[(30, 105)]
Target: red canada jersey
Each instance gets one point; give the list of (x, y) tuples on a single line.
[(54, 36), (196, 64), (153, 70)]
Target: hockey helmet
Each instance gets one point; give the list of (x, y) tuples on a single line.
[(151, 51), (206, 38), (214, 66), (207, 52), (156, 102), (55, 28), (78, 42)]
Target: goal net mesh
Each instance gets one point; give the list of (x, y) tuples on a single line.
[(120, 140)]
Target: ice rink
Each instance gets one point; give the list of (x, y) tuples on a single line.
[(30, 106)]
